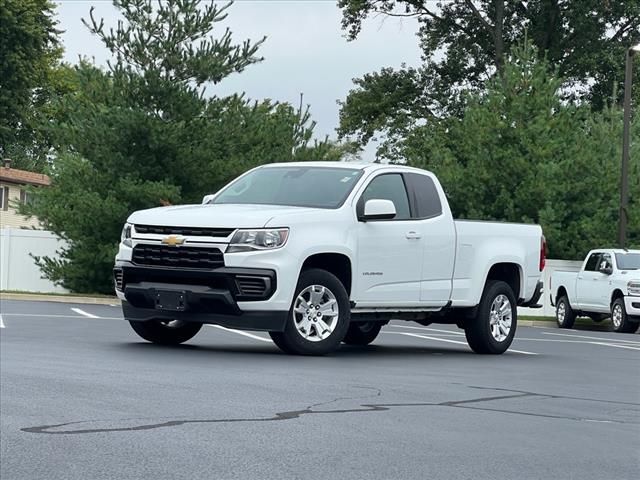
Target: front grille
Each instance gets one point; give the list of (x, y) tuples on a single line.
[(184, 231), (252, 286), (117, 278), (181, 257)]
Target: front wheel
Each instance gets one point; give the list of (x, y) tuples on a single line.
[(493, 328), (362, 333), (166, 332), (319, 315), (619, 319)]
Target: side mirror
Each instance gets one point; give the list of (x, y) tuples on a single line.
[(606, 268), (378, 209), (207, 198)]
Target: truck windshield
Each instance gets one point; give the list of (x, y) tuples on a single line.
[(628, 261), (316, 187)]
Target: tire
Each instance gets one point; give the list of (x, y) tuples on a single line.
[(493, 328), (319, 334), (620, 321), (565, 316), (362, 333), (166, 333)]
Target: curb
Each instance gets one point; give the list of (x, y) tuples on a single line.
[(35, 297)]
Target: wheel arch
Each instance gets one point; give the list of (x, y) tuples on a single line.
[(335, 263), (562, 291), (508, 272), (617, 293)]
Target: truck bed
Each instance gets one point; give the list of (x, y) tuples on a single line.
[(476, 244)]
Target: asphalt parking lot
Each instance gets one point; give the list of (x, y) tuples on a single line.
[(82, 397)]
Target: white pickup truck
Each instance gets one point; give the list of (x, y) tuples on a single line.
[(320, 253), (608, 284)]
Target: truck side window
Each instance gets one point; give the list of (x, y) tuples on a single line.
[(388, 186), (593, 263), (425, 195)]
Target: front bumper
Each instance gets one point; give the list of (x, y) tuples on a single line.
[(201, 296), (632, 306)]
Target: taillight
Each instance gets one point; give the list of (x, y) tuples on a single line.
[(543, 253)]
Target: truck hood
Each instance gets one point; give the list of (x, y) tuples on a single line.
[(213, 216)]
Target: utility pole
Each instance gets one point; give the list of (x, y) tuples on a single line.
[(623, 218)]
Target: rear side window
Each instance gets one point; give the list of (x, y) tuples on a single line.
[(425, 195), (388, 186), (592, 263)]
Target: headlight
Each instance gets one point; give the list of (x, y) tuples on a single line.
[(125, 236), (263, 239), (633, 287)]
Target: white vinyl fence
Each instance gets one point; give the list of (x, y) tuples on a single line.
[(552, 266), (18, 270)]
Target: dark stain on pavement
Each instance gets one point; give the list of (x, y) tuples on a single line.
[(471, 404)]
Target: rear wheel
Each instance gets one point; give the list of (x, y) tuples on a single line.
[(166, 332), (362, 333), (319, 315), (565, 316), (619, 319), (493, 328)]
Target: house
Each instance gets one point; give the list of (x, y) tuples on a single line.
[(14, 185)]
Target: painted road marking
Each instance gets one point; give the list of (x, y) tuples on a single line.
[(47, 315), (1, 322), (452, 332), (437, 339), (240, 332), (617, 340), (628, 347), (82, 312)]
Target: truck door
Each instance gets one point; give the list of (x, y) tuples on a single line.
[(588, 284), (389, 251), (438, 239)]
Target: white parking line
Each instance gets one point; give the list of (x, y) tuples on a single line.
[(239, 332), (446, 340), (617, 340), (82, 312), (1, 322), (628, 347), (452, 332), (48, 315)]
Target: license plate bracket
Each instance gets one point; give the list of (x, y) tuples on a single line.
[(171, 300)]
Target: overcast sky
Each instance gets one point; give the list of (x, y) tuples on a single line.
[(305, 50)]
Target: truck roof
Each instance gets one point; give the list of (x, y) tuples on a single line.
[(614, 250), (352, 165)]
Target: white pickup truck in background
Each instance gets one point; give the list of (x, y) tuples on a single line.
[(323, 253), (608, 284)]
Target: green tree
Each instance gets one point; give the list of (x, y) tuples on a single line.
[(29, 57), (145, 133), (519, 153), (464, 44)]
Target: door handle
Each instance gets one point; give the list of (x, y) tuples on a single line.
[(412, 235)]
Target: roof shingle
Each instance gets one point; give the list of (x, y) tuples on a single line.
[(14, 175)]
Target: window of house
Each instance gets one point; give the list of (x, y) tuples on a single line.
[(26, 197), (4, 198)]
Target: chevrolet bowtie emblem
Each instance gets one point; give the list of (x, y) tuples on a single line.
[(172, 240)]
